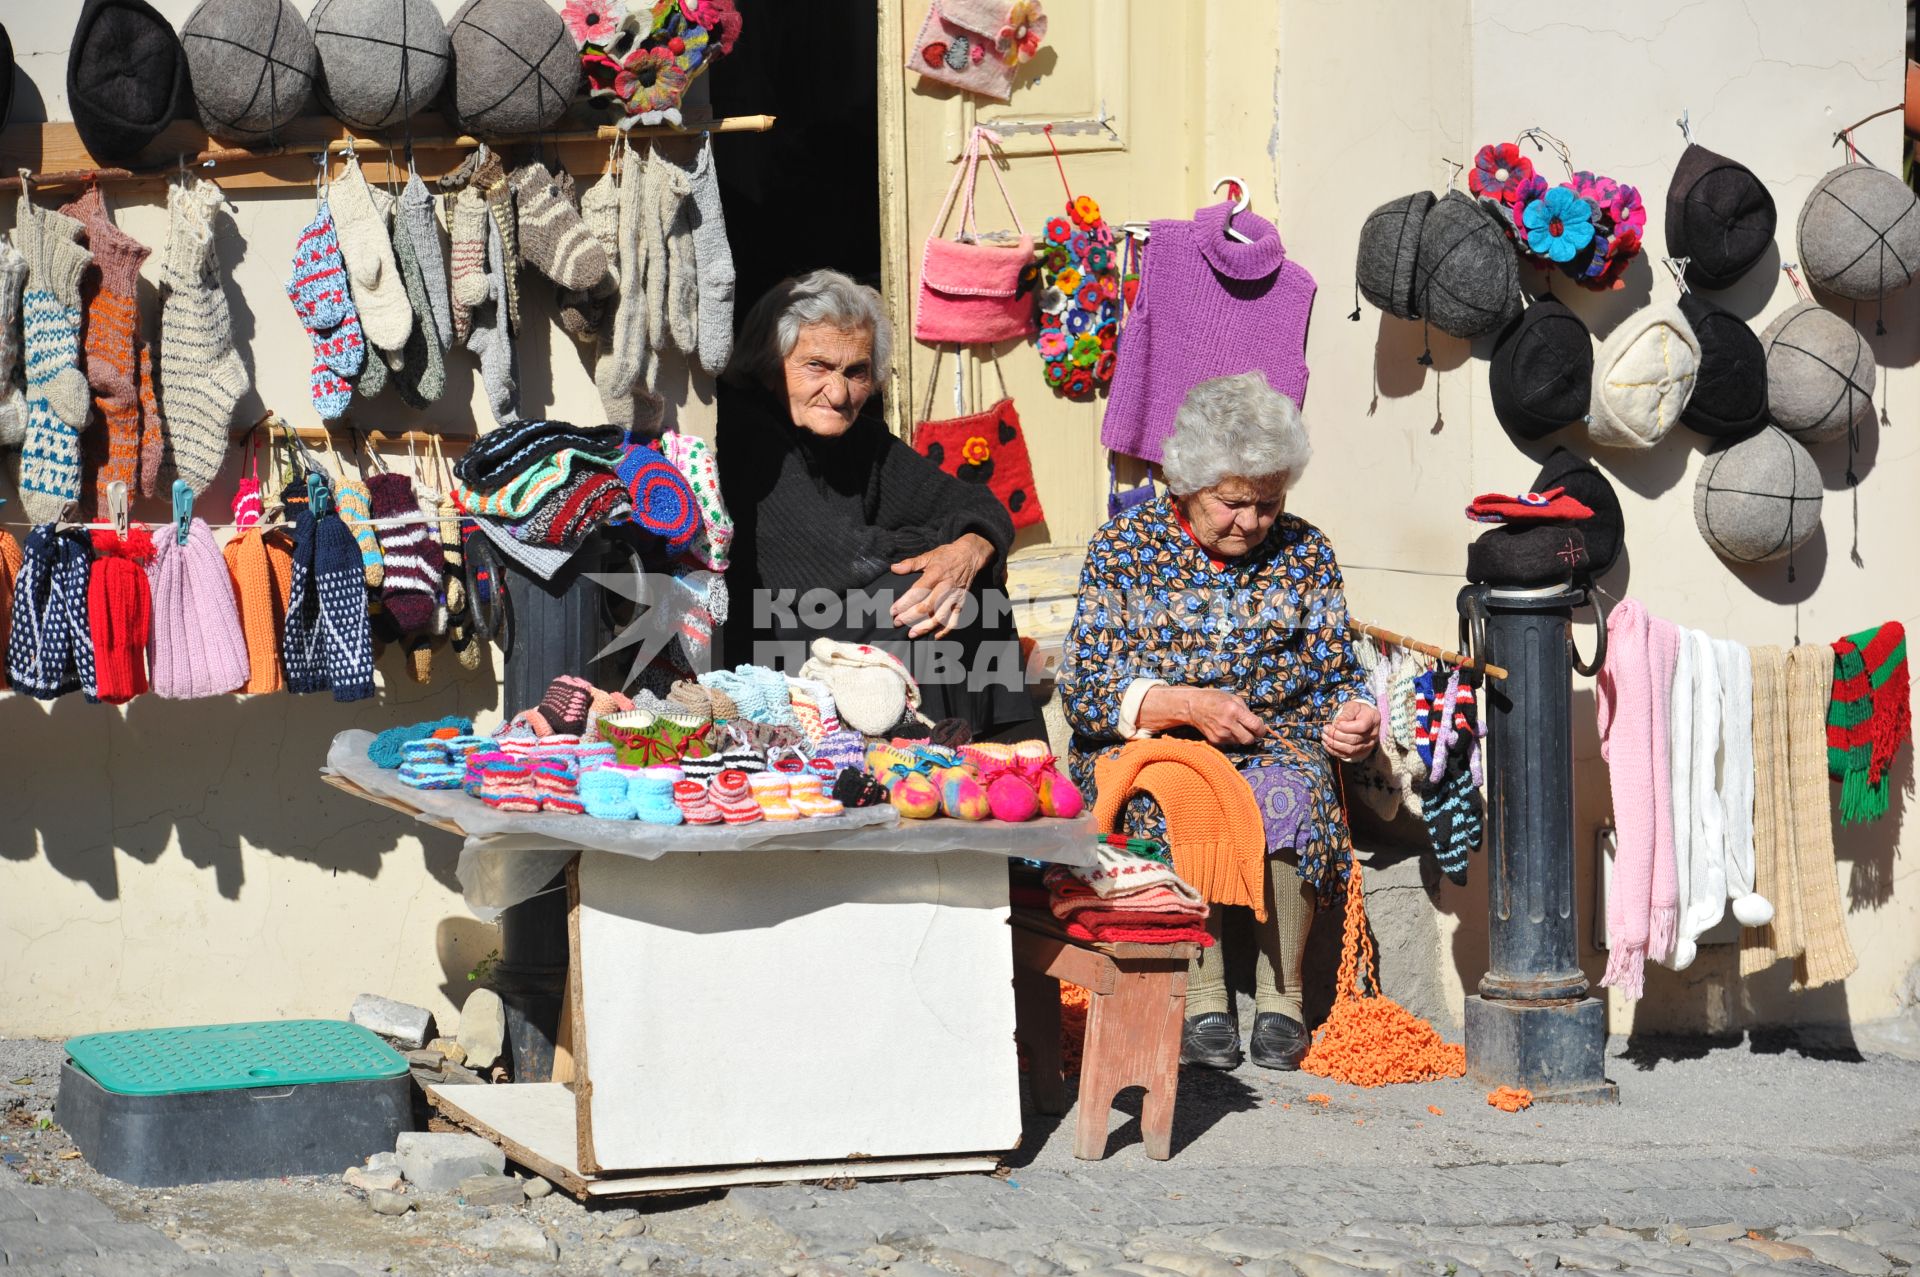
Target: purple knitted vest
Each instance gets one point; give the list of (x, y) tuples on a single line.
[(1208, 307)]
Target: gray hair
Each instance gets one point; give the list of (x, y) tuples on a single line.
[(772, 327), (1234, 427)]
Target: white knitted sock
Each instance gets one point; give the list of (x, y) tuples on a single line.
[(379, 294), (714, 257), (202, 376), (56, 393), (622, 354), (491, 338), (673, 276), (13, 398)]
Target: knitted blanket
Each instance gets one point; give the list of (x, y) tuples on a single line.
[(1141, 935), (1869, 719), (1213, 824)]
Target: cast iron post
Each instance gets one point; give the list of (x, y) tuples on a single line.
[(1533, 1024)]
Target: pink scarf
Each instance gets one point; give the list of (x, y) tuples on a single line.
[(1634, 691)]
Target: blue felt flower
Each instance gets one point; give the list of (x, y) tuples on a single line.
[(1559, 224)]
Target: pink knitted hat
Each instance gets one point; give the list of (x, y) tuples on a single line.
[(197, 648)]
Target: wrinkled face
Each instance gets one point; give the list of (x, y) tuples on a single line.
[(1233, 516), (829, 377)]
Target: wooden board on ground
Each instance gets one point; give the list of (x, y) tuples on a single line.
[(533, 1124)]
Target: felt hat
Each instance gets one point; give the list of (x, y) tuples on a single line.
[(1820, 373), (1729, 399), (1719, 216), (515, 68), (1466, 278), (1542, 370), (253, 65), (1643, 378), (381, 61), (1859, 233), (1389, 244), (1523, 555), (1583, 481), (126, 78), (1757, 498)]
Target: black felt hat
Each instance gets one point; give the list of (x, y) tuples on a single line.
[(1542, 371), (1585, 483), (1719, 215), (1729, 399), (1523, 555), (126, 78)]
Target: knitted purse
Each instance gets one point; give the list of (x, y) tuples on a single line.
[(975, 44), (970, 292), (983, 447)]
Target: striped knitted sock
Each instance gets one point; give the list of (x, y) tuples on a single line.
[(553, 238), (13, 398), (467, 214), (109, 294), (56, 395), (503, 244), (153, 431), (415, 567), (586, 314), (1454, 822), (354, 500), (202, 375)]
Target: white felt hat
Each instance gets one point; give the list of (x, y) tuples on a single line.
[(1643, 377)]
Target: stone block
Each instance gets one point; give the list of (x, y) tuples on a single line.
[(483, 1028), (492, 1190), (400, 1022), (388, 1203), (1845, 1254), (438, 1161)]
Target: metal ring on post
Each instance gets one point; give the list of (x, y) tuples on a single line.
[(1584, 668)]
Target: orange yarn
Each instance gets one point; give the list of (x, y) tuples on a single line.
[(9, 569), (1510, 1099), (261, 565), (1369, 1039), (1214, 829)]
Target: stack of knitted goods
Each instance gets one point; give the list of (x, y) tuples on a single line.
[(1127, 898), (1539, 540), (538, 488)]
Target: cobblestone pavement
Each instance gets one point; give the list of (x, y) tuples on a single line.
[(1745, 1159)]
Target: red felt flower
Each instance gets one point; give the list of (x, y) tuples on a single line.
[(1497, 169)]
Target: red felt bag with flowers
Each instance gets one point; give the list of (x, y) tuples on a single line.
[(1080, 295), (986, 448), (974, 293)]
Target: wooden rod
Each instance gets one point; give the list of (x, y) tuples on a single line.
[(1384, 635), (332, 434)]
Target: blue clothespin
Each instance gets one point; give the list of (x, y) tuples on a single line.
[(319, 495), (182, 510)]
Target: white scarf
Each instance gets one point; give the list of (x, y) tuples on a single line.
[(1736, 780), (1702, 844)]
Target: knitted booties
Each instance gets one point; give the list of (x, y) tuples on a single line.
[(564, 708), (557, 779), (507, 785), (606, 792), (807, 792), (1010, 794), (594, 753), (652, 792), (477, 763), (732, 794), (1058, 795), (769, 789), (856, 787), (961, 795), (431, 775), (910, 785), (695, 805)]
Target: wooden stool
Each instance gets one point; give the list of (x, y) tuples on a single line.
[(1136, 1010)]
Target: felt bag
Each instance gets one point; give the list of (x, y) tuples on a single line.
[(957, 45), (974, 293), (1119, 499), (983, 447)]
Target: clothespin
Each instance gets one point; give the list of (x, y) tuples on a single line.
[(117, 507), (319, 495), (182, 511)]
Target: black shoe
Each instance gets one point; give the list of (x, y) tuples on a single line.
[(1211, 1040), (1277, 1041)]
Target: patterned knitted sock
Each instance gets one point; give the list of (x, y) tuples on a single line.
[(504, 254), (202, 375), (153, 427), (553, 238), (467, 215), (458, 607), (321, 298), (50, 647), (493, 339), (354, 500), (109, 295), (623, 351), (673, 275), (586, 313), (422, 375), (417, 222), (714, 261), (56, 395), (415, 568), (13, 397), (379, 294)]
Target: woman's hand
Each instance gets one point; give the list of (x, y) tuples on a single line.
[(1353, 733), (946, 574), (1220, 717)]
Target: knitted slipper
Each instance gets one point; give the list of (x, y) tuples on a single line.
[(910, 787), (856, 787), (732, 795), (961, 795), (653, 797), (691, 797), (1010, 793), (508, 786), (1037, 765), (431, 775), (606, 792), (806, 793), (769, 789), (477, 763)]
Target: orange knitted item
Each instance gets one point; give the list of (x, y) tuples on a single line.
[(1510, 1099), (1371, 1040), (261, 565), (1214, 828), (152, 425), (9, 570)]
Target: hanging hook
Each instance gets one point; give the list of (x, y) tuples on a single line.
[(1685, 126), (1677, 266), (1545, 141), (1456, 169), (117, 507)]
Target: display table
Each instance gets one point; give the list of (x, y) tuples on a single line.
[(755, 1003)]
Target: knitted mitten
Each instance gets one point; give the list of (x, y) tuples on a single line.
[(153, 432), (467, 216), (9, 573), (623, 353), (714, 260), (354, 500), (110, 295), (693, 457), (379, 294), (202, 375), (321, 298), (57, 399), (50, 646), (492, 337), (1455, 823), (415, 568), (342, 594), (13, 397), (553, 238), (673, 276), (120, 613), (422, 375), (417, 222)]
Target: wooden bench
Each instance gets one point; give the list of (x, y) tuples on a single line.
[(1137, 1006)]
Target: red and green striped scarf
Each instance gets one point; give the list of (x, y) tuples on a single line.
[(1868, 719)]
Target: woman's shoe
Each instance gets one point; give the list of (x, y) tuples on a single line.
[(1277, 1041), (1058, 795), (1211, 1041)]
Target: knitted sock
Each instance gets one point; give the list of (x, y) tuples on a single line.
[(504, 252), (467, 215), (379, 294), (732, 796), (302, 654), (109, 293), (553, 238), (56, 393), (120, 613), (153, 428), (202, 374), (492, 337), (13, 398), (354, 500), (416, 222), (415, 568), (459, 615), (422, 375), (713, 258), (673, 275), (564, 707), (623, 352), (372, 377), (50, 646)]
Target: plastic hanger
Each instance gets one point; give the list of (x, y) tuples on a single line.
[(1241, 202)]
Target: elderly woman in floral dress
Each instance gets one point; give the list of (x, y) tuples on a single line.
[(1211, 612)]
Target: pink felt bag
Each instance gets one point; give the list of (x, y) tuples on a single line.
[(959, 45), (973, 293)]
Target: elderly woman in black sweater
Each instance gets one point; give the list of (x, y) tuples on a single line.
[(843, 531)]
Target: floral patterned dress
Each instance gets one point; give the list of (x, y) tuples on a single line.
[(1270, 626)]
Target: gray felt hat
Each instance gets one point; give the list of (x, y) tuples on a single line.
[(515, 67), (1466, 281), (1389, 244), (1729, 399), (1758, 498), (252, 63), (381, 61), (1820, 373), (1860, 233)]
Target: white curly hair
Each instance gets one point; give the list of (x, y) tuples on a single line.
[(1234, 427)]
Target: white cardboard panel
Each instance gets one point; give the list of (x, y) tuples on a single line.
[(796, 1006)]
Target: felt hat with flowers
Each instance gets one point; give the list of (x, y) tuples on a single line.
[(1589, 227), (641, 58)]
